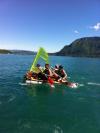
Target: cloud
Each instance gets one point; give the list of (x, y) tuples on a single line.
[(95, 27), (76, 31)]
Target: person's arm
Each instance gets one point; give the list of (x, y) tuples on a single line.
[(51, 73), (65, 77), (41, 69), (55, 74)]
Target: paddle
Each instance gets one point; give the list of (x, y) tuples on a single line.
[(51, 82)]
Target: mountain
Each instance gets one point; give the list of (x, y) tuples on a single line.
[(19, 52), (3, 51), (22, 52), (84, 47)]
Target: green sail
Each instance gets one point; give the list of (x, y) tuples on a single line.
[(40, 54)]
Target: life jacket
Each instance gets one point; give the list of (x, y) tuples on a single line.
[(29, 75), (46, 71), (61, 73), (39, 70)]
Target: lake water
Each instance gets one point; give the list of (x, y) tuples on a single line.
[(40, 109)]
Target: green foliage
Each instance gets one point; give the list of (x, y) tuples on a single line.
[(3, 51)]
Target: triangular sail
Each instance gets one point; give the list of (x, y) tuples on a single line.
[(40, 54)]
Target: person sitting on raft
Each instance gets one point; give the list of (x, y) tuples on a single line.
[(40, 74), (51, 73), (47, 71), (56, 77), (56, 68), (29, 75), (62, 73)]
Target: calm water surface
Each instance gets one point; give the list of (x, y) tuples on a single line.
[(40, 109)]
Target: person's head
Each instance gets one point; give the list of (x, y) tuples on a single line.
[(38, 65), (47, 66), (60, 67), (56, 66)]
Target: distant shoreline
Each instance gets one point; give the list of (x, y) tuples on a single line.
[(95, 57), (82, 47), (18, 52)]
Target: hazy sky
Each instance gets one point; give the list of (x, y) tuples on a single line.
[(29, 24)]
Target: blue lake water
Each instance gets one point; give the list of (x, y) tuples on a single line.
[(40, 109)]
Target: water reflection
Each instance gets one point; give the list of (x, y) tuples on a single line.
[(57, 129), (44, 89), (37, 125)]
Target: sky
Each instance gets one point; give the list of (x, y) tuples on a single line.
[(52, 24)]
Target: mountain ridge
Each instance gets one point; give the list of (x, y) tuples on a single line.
[(82, 47)]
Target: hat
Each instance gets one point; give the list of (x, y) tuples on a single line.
[(38, 65), (61, 67), (46, 64), (56, 66)]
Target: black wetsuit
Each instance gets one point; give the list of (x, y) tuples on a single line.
[(61, 73), (41, 76), (46, 71)]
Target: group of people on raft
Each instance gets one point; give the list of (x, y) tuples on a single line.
[(57, 73)]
